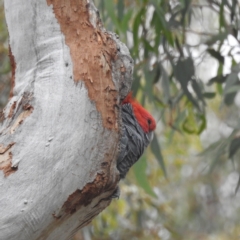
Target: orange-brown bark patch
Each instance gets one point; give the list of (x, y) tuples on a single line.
[(13, 68), (6, 160), (103, 183), (92, 52), (79, 199), (12, 109), (83, 197), (28, 109)]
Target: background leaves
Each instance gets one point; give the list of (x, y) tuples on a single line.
[(186, 74)]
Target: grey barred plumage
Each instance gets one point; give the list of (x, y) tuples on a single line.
[(133, 141), (136, 134)]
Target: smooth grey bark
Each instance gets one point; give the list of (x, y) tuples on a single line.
[(53, 144)]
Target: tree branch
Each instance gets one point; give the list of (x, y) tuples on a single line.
[(59, 132)]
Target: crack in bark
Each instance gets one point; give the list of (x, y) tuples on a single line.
[(6, 160), (13, 68), (28, 109)]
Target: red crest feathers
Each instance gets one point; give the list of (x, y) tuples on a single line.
[(144, 118)]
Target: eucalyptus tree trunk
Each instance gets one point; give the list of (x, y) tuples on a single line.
[(60, 130)]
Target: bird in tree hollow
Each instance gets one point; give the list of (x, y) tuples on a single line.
[(137, 132)]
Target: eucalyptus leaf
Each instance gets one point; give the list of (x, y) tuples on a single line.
[(209, 95), (139, 169), (234, 147), (184, 71), (231, 81), (218, 37), (165, 84), (136, 27), (218, 79), (156, 150), (216, 55)]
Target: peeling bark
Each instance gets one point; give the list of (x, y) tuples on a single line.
[(59, 133), (6, 160)]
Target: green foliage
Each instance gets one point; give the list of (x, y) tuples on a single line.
[(155, 147), (139, 171), (170, 46)]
